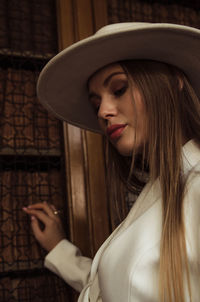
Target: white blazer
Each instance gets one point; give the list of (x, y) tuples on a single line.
[(125, 268)]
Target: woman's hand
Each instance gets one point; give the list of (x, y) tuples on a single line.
[(52, 232)]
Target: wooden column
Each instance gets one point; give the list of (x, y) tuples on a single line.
[(85, 167)]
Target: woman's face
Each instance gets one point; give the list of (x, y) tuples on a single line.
[(122, 121)]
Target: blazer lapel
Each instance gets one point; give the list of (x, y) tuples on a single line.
[(149, 195)]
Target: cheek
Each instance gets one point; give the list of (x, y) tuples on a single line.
[(143, 127), (140, 110), (143, 115), (140, 119)]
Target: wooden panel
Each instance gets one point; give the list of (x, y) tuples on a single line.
[(87, 197), (100, 13), (77, 199), (66, 34), (97, 201), (84, 19)]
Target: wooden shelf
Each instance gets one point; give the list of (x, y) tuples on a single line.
[(25, 54), (30, 152)]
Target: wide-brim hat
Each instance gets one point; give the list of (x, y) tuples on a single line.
[(62, 84)]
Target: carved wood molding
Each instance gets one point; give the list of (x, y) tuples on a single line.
[(85, 167)]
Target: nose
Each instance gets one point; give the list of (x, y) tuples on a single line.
[(107, 108)]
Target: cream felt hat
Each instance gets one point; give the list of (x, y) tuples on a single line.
[(62, 84)]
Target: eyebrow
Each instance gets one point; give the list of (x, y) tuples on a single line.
[(107, 80)]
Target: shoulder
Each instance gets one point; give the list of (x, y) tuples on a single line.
[(191, 168), (192, 213), (191, 161), (192, 185), (192, 196)]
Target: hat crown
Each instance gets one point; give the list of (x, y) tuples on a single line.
[(62, 84), (116, 27)]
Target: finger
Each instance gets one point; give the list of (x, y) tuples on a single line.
[(35, 227), (42, 206), (38, 214), (50, 209), (38, 205), (55, 211), (53, 207)]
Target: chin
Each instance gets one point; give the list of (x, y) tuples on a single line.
[(124, 150), (127, 149)]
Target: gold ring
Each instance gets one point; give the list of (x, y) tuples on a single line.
[(56, 212)]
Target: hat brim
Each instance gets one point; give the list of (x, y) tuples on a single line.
[(62, 84)]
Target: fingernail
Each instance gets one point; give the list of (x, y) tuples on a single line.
[(32, 217), (24, 208)]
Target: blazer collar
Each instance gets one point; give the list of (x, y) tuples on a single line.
[(190, 155), (149, 195)]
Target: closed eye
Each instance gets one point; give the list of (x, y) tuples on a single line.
[(121, 91)]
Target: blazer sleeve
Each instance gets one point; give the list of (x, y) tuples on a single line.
[(66, 261), (192, 230), (192, 212)]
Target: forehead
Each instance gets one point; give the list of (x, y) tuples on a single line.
[(101, 74)]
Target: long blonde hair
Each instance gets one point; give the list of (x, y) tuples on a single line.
[(173, 113)]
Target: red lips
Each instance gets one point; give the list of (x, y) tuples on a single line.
[(114, 131)]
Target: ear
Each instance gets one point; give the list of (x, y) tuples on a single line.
[(180, 83)]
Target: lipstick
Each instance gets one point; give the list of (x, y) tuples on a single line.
[(114, 131)]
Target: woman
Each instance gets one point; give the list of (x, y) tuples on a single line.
[(145, 99)]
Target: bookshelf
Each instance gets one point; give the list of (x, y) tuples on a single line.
[(31, 150)]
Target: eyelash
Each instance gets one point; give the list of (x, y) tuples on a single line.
[(117, 93), (121, 91)]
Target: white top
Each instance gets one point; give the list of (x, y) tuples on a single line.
[(125, 269)]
